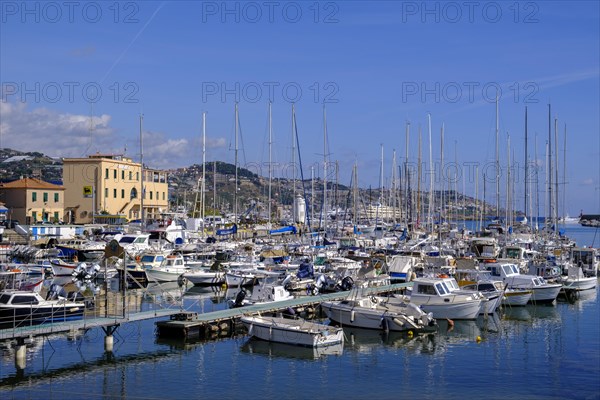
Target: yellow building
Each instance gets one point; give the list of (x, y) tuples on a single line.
[(104, 188), (32, 200)]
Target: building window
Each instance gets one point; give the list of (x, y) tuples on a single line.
[(122, 193), (151, 195), (163, 195), (34, 215), (115, 193), (115, 173), (130, 173), (56, 216), (45, 196), (106, 173), (56, 197), (137, 176), (133, 193), (34, 196), (105, 192), (123, 174), (157, 198)]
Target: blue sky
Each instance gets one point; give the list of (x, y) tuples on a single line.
[(376, 65)]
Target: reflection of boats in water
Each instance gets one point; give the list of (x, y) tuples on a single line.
[(364, 340), (215, 293), (531, 313), (275, 350)]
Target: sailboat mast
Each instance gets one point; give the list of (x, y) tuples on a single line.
[(508, 194), (203, 196), (497, 161), (312, 193), (431, 208), (442, 174), (355, 190), (525, 210), (564, 203), (270, 167), (293, 152), (419, 168), (324, 170), (556, 171), (235, 210), (406, 179), (550, 211), (214, 186), (143, 193), (392, 201), (537, 185)]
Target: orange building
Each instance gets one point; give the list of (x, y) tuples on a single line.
[(32, 200)]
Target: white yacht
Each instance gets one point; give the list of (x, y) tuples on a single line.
[(433, 295), (543, 292)]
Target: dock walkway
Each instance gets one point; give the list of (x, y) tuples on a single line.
[(193, 325)]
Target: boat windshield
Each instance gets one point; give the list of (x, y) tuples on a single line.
[(4, 298), (441, 288)]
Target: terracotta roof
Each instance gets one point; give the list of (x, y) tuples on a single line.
[(31, 183)]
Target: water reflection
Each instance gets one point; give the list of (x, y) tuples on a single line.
[(270, 349), (536, 315)]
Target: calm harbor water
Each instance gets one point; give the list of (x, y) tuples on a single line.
[(533, 352)]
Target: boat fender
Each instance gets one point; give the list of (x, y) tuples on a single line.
[(352, 316), (384, 324), (373, 299)]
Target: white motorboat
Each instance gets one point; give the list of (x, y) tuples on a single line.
[(235, 277), (23, 308), (205, 276), (582, 273), (268, 292), (376, 313), (293, 331), (62, 268), (543, 292), (434, 296), (170, 270), (482, 282)]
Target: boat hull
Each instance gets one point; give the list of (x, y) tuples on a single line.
[(451, 309), (296, 332), (205, 278), (159, 275), (371, 318), (514, 298), (62, 269), (545, 294), (580, 284)]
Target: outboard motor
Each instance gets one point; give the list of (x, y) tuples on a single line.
[(239, 298), (305, 270), (347, 283)]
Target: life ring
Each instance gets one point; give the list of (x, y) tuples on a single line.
[(443, 276), (138, 258)]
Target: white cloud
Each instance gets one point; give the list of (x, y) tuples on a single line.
[(50, 132), (68, 135)]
